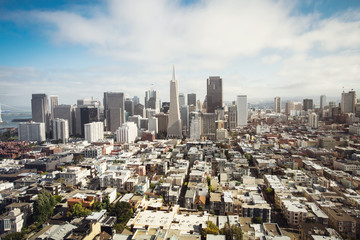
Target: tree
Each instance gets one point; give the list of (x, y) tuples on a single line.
[(78, 211), (44, 206), (122, 211), (269, 191), (257, 220), (98, 206), (57, 198), (15, 236), (210, 229)]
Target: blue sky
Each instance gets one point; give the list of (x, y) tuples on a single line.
[(260, 48)]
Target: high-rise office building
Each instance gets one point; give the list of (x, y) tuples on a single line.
[(66, 112), (308, 104), (277, 104), (174, 127), (153, 125), (191, 99), (184, 113), (40, 108), (87, 114), (114, 107), (129, 106), (322, 101), (232, 117), (242, 110), (214, 97), (32, 131), (289, 105), (163, 122), (94, 131), (60, 129), (139, 109), (54, 101), (348, 102), (181, 99), (208, 124), (313, 119), (136, 100), (195, 126), (127, 133), (152, 100)]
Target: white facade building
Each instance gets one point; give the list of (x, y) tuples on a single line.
[(75, 175), (313, 120), (61, 130), (127, 132), (153, 125), (195, 126), (242, 110), (32, 131), (94, 131), (12, 221), (277, 104)]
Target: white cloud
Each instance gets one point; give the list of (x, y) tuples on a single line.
[(207, 38)]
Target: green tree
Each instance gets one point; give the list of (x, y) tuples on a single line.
[(269, 191), (257, 220), (98, 206), (122, 211), (15, 236), (44, 206), (210, 188), (78, 211), (210, 229), (58, 198)]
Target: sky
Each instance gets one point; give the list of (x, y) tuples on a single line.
[(261, 48)]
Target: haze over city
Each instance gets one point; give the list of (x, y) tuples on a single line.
[(292, 49)]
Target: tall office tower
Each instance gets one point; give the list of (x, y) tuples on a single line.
[(136, 100), (87, 114), (289, 105), (40, 108), (348, 102), (139, 109), (181, 99), (135, 119), (208, 124), (214, 97), (144, 124), (60, 129), (322, 101), (152, 100), (127, 133), (174, 127), (308, 104), (163, 121), (277, 104), (94, 131), (153, 125), (32, 131), (332, 104), (66, 112), (129, 106), (232, 117), (114, 107), (184, 113), (195, 126), (150, 112), (199, 105), (54, 101), (242, 110), (191, 99), (165, 107), (88, 102), (313, 120)]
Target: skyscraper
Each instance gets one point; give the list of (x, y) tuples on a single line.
[(232, 117), (94, 131), (308, 104), (61, 129), (184, 112), (214, 97), (348, 102), (174, 125), (322, 101), (129, 106), (181, 99), (277, 104), (39, 107), (66, 112), (191, 99), (114, 106), (31, 131), (54, 101), (242, 110), (152, 100)]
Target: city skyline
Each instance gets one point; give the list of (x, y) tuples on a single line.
[(272, 48)]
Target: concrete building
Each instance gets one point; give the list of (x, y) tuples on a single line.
[(85, 114), (195, 126), (163, 120), (232, 117), (12, 221), (208, 126), (214, 95), (66, 112), (348, 102), (185, 119), (60, 129), (139, 109), (174, 126), (289, 106), (54, 101), (181, 99), (75, 175), (313, 120), (114, 107), (32, 131), (152, 100), (191, 99), (277, 104), (153, 125), (40, 109), (129, 106), (127, 133), (94, 131), (242, 110), (323, 102), (308, 104)]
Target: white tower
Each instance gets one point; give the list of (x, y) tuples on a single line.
[(174, 125), (242, 110)]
